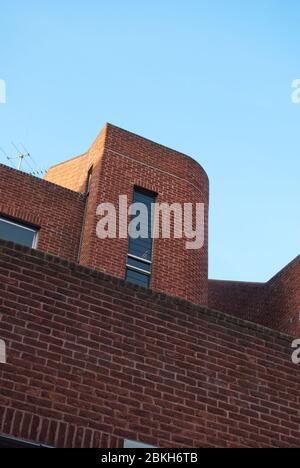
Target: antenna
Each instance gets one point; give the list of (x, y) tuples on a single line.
[(39, 170), (7, 157), (21, 156), (24, 157)]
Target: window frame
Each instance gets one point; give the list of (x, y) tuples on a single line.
[(24, 227), (143, 272), (141, 260)]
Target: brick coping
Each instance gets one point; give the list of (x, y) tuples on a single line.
[(43, 181), (157, 297)]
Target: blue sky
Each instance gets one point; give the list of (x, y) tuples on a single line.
[(209, 78)]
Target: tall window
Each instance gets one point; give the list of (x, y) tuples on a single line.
[(89, 181), (87, 194), (139, 261), (18, 233)]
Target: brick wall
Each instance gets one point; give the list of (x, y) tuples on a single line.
[(70, 174), (57, 212), (93, 360), (283, 299), (244, 300), (275, 304)]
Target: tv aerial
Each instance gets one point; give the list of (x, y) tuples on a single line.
[(24, 158)]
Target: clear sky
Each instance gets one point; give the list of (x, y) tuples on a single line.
[(210, 78)]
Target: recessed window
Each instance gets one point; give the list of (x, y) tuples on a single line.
[(17, 233), (137, 277), (139, 264), (89, 181), (139, 260)]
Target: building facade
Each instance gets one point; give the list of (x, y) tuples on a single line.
[(93, 360)]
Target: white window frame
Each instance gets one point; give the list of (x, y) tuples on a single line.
[(22, 226), (142, 260)]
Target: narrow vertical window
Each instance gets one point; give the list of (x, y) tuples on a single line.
[(89, 181), (87, 194), (139, 260)]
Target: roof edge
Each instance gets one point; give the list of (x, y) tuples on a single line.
[(157, 297)]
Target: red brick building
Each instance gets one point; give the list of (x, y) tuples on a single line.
[(94, 360)]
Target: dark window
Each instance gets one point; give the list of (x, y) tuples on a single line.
[(17, 233), (89, 181), (136, 277), (10, 442), (139, 261), (139, 264)]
